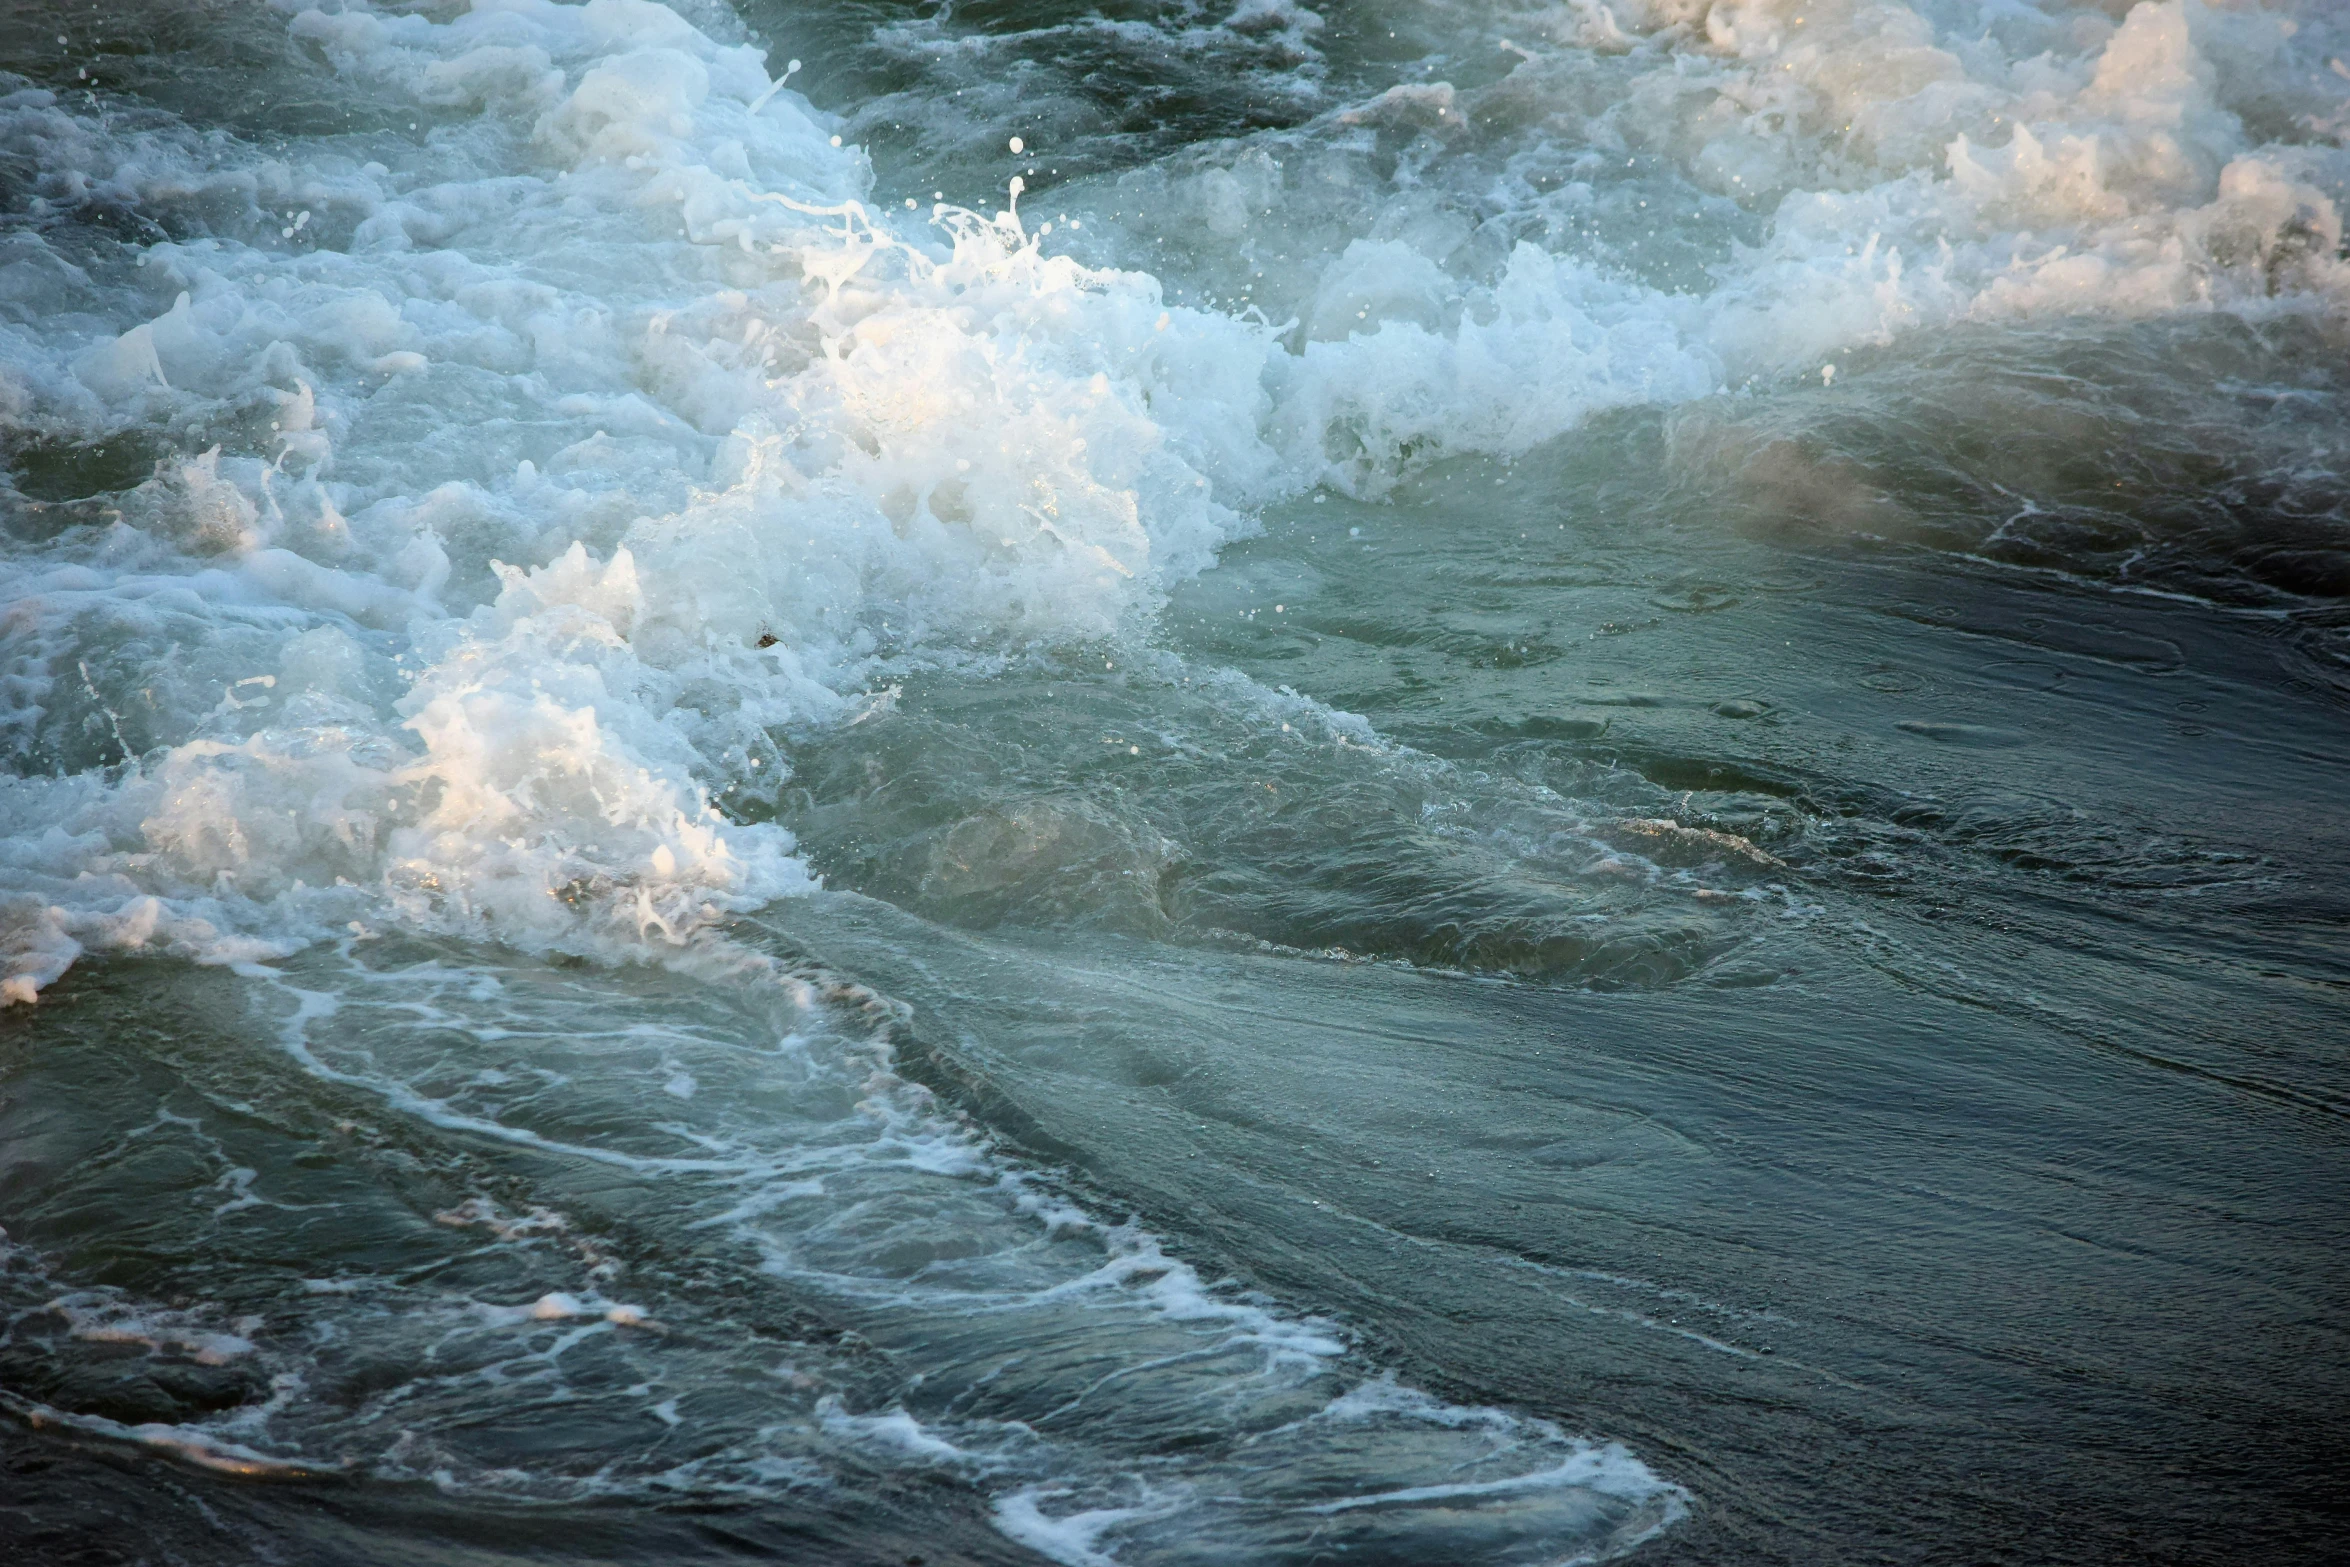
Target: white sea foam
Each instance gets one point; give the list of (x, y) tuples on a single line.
[(611, 441), (1074, 1537), (549, 467), (529, 481), (1663, 199), (1031, 1351), (526, 483)]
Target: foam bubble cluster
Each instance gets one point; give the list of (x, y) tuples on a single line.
[(542, 479), (524, 466)]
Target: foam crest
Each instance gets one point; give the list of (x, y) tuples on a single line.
[(1550, 343), (1667, 200), (2049, 164), (550, 462), (635, 333), (518, 486)]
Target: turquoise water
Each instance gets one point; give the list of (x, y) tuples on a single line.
[(1568, 793)]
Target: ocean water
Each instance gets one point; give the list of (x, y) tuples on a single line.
[(1431, 782)]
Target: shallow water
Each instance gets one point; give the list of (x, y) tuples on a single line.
[(1519, 784)]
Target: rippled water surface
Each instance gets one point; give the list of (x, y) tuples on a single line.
[(1455, 782)]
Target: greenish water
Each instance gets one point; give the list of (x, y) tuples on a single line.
[(1379, 857)]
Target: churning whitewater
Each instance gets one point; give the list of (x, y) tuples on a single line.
[(468, 464), (524, 475)]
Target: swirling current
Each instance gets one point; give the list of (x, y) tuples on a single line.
[(1447, 783)]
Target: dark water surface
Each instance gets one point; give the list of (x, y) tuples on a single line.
[(1597, 814)]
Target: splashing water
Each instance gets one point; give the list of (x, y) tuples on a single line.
[(507, 505)]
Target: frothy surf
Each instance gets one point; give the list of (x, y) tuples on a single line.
[(445, 527), (805, 1169), (525, 476)]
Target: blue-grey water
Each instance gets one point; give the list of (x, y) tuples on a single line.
[(1437, 783)]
